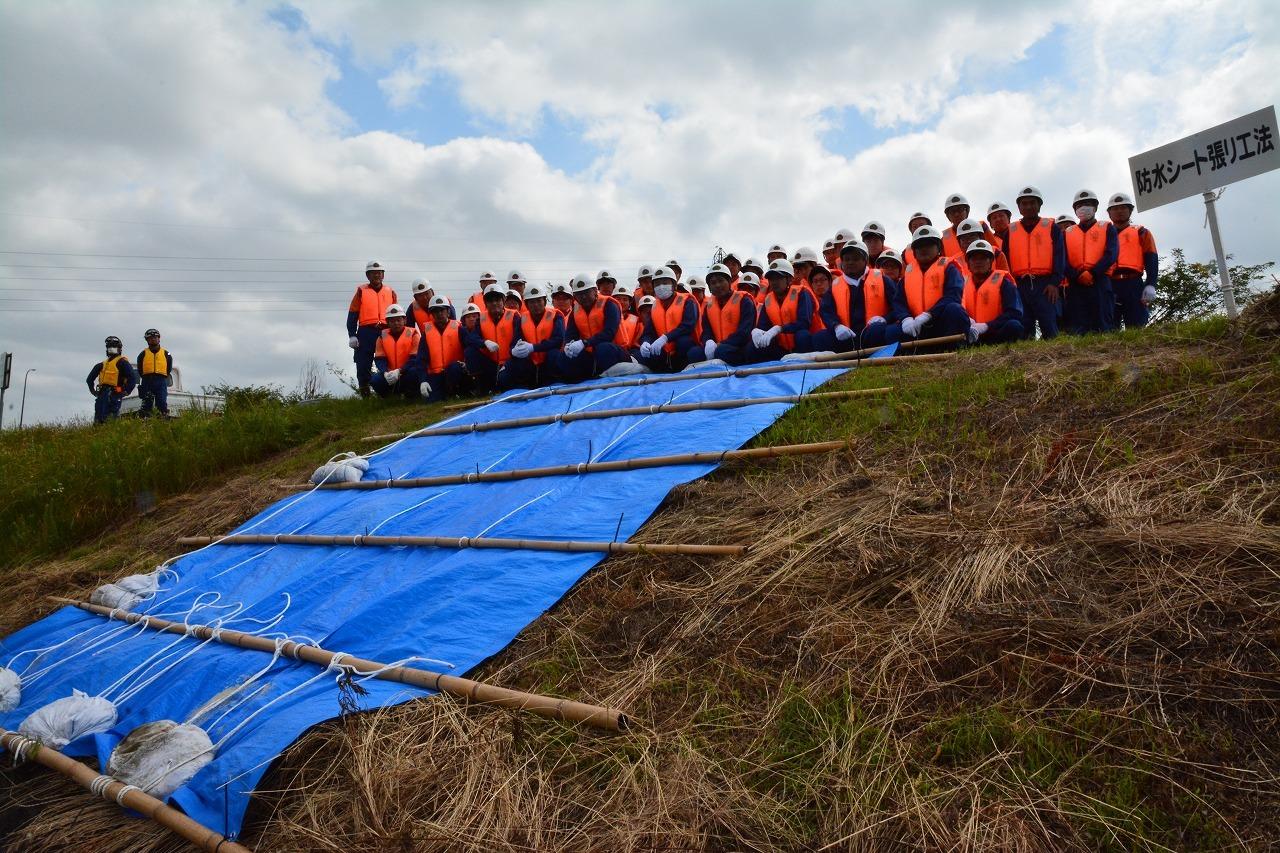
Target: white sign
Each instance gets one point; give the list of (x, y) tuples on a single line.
[(1230, 152)]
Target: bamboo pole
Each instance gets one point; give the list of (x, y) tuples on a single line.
[(847, 360), (914, 344), (466, 542), (463, 688), (598, 414), (717, 456), (124, 795)]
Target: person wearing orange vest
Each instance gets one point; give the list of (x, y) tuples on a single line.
[(1092, 249), (916, 220), (442, 346), (957, 211), (1137, 258), (155, 366), (873, 237), (419, 310), (1037, 260), (788, 317), (606, 284), (967, 233), (487, 348), (672, 331), (934, 288), (999, 216), (875, 307), (831, 301), (110, 381), (728, 316), (516, 282), (365, 318), (487, 280), (590, 334), (644, 310), (990, 298), (538, 332), (562, 299), (644, 281), (775, 252), (830, 254), (735, 267), (398, 354), (749, 283), (514, 301)]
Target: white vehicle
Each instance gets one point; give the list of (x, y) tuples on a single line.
[(179, 400)]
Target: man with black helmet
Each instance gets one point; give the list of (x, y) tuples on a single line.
[(110, 381), (155, 366)]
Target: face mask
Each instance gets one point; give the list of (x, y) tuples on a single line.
[(663, 291), (113, 351), (1086, 211)]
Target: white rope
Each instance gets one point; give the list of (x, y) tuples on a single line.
[(125, 789), (513, 512)]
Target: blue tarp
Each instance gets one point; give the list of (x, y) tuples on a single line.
[(387, 604)]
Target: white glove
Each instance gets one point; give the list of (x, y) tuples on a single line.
[(773, 333), (658, 344), (758, 339), (574, 348), (709, 348), (1148, 294), (875, 320), (354, 342), (392, 377), (645, 349), (981, 327), (922, 320), (909, 327), (425, 389), (491, 346), (844, 333), (521, 349)]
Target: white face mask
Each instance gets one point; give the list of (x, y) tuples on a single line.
[(663, 291), (1086, 211)]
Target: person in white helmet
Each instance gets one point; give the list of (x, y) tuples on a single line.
[(990, 298), (515, 301), (753, 266), (999, 216), (830, 254), (956, 209), (734, 265), (1136, 273), (729, 315), (672, 330), (914, 222), (1037, 260), (804, 260), (487, 348), (968, 232), (562, 299), (487, 280), (873, 237), (447, 374), (365, 318), (589, 336), (419, 310), (873, 309), (644, 281), (934, 288), (517, 282), (539, 331), (749, 283), (399, 356), (606, 283), (788, 317), (1092, 250), (775, 252)]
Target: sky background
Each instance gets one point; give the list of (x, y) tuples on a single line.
[(223, 171)]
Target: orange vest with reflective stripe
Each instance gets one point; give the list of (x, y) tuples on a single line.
[(1085, 248), (399, 351), (923, 289), (502, 332), (1030, 254), (1131, 254), (443, 348), (982, 302), (667, 319), (374, 304), (537, 332), (875, 301), (781, 315), (722, 321)]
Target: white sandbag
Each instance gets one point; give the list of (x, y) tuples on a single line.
[(347, 470), (64, 720), (626, 368), (804, 356), (711, 362), (10, 689), (160, 757), (125, 593)]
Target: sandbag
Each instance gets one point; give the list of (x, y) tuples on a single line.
[(160, 757), (626, 368), (347, 470), (63, 720), (711, 362), (125, 593), (10, 689), (805, 356)]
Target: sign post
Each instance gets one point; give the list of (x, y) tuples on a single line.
[(6, 370), (1202, 163)]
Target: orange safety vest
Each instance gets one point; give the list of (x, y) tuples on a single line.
[(982, 302), (590, 323), (997, 263), (951, 243), (925, 288), (667, 319), (501, 332), (398, 351), (781, 315), (443, 347), (1131, 250), (477, 299), (372, 304), (875, 299), (839, 293), (722, 320), (1030, 253), (629, 330), (1085, 248), (535, 332)]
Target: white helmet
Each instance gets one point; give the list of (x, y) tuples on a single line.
[(663, 272), (920, 214), (874, 227), (374, 265), (646, 301), (889, 255), (955, 200), (776, 248), (420, 285), (394, 310), (605, 275), (514, 277), (487, 277), (804, 255), (1066, 219), (621, 290), (1084, 197), (926, 232), (980, 246), (515, 293), (695, 282), (969, 226), (581, 284), (560, 288), (844, 235), (535, 291), (997, 206), (828, 246), (438, 302), (1119, 200), (719, 269), (1030, 192), (495, 288), (645, 271), (749, 279), (673, 263), (471, 308), (855, 246), (781, 266), (753, 264)]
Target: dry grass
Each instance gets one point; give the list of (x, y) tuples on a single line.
[(1064, 638)]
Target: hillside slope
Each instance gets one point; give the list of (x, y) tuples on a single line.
[(1034, 607)]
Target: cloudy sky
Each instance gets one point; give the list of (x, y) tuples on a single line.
[(224, 170)]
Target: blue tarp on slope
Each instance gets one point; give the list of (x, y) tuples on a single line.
[(461, 606)]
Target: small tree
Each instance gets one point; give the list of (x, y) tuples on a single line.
[(311, 380), (1190, 290)]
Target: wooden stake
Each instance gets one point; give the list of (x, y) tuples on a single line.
[(127, 796), (463, 688), (718, 456), (927, 342), (466, 542), (656, 409)]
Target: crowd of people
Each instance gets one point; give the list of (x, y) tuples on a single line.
[(993, 280)]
